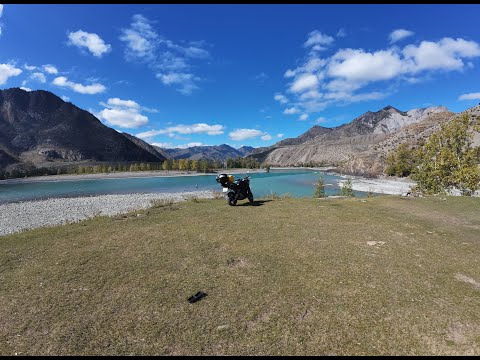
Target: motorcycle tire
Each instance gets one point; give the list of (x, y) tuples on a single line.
[(231, 201), (250, 198)]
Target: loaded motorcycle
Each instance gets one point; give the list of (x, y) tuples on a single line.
[(235, 189)]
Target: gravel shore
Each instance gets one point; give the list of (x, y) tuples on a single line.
[(15, 217)]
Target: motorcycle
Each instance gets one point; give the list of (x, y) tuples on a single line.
[(235, 189)]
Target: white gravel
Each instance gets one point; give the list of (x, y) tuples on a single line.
[(380, 186), (20, 216)]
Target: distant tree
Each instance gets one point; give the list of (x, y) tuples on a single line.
[(166, 165), (448, 161), (320, 188), (346, 189)]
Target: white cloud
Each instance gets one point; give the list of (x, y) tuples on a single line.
[(304, 82), (7, 71), (29, 67), (303, 117), (50, 69), (399, 34), (279, 135), (470, 96), (266, 137), (141, 39), (185, 81), (192, 144), (361, 66), (79, 88), (184, 129), (91, 41), (165, 145), (291, 111), (123, 103), (125, 118), (170, 61), (39, 77), (320, 120), (320, 82), (281, 98), (123, 113), (243, 134), (25, 88), (317, 40), (446, 54), (65, 98)]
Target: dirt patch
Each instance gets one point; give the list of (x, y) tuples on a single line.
[(239, 262), (373, 243), (468, 280)]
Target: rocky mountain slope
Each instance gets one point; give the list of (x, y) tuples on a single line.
[(216, 152), (359, 145), (41, 129)]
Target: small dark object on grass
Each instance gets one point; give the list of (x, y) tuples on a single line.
[(194, 298)]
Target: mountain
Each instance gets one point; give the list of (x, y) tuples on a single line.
[(245, 150), (216, 152), (39, 128), (340, 145)]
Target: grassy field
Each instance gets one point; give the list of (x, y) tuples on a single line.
[(383, 275)]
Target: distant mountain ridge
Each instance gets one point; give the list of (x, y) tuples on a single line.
[(39, 128), (215, 152), (339, 145)]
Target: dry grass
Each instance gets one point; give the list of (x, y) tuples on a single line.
[(381, 275)]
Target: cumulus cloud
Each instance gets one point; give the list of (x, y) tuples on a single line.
[(38, 76), (29, 67), (266, 137), (291, 111), (25, 88), (470, 96), (91, 41), (50, 69), (446, 54), (399, 34), (318, 41), (7, 71), (122, 113), (281, 98), (243, 134), (171, 131), (303, 117), (62, 81), (171, 62), (352, 75), (279, 135), (65, 98)]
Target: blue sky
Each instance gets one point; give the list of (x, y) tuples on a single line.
[(179, 75)]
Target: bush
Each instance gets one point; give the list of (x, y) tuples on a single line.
[(401, 161), (346, 189), (320, 188), (447, 160)]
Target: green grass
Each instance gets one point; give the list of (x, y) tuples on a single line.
[(288, 277)]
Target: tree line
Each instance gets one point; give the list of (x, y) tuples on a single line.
[(203, 165)]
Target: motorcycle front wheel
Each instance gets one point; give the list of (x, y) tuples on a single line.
[(231, 200)]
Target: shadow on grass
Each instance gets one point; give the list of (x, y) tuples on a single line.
[(255, 203)]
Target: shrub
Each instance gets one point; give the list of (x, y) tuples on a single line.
[(320, 188), (346, 189)]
